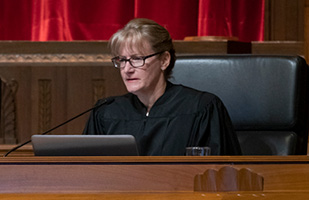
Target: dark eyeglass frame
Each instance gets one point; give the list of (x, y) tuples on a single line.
[(130, 60)]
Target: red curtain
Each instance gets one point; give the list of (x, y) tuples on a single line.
[(79, 19), (67, 20), (234, 18), (15, 19), (179, 17)]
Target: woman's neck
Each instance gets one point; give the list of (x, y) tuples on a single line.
[(149, 99)]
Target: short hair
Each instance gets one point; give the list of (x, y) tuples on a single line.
[(139, 30)]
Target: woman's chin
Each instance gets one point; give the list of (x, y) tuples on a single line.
[(133, 90)]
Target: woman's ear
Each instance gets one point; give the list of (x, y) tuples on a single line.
[(165, 60)]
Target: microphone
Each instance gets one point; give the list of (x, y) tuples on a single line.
[(100, 103)]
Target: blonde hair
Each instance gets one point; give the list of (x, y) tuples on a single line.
[(139, 30)]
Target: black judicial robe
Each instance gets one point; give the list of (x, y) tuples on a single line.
[(181, 117)]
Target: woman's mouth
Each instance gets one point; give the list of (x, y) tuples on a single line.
[(131, 79)]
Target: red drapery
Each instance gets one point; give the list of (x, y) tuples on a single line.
[(67, 20), (241, 18)]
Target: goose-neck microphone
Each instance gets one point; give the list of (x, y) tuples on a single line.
[(99, 104)]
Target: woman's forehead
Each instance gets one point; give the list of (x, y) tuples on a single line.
[(134, 47)]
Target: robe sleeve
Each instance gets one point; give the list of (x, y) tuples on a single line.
[(215, 129), (92, 126)]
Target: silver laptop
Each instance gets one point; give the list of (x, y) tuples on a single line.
[(84, 145)]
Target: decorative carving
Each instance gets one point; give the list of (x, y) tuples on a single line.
[(98, 86), (52, 58), (45, 112), (8, 111), (228, 179)]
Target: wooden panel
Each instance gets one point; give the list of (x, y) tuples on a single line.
[(142, 174), (24, 151), (279, 48), (212, 47), (284, 20), (71, 93)]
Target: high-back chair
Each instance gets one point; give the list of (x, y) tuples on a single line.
[(266, 97)]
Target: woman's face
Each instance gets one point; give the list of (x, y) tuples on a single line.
[(145, 80)]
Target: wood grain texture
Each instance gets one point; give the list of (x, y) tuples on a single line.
[(142, 174), (163, 196), (228, 179)]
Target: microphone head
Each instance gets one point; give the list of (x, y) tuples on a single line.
[(109, 100), (104, 101)]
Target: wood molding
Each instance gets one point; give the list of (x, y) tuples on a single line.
[(228, 179), (54, 58)]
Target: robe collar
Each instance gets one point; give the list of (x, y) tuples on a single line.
[(161, 100)]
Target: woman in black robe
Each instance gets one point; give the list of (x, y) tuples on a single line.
[(164, 118)]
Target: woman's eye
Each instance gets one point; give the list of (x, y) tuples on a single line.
[(137, 58), (121, 59)]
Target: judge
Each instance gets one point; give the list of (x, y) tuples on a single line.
[(164, 118)]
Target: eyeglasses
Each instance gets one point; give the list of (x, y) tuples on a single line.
[(135, 61)]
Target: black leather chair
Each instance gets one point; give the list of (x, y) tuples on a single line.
[(266, 96)]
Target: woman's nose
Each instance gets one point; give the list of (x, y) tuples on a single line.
[(128, 67)]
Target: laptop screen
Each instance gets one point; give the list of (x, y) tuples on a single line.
[(84, 145)]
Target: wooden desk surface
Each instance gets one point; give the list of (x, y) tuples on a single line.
[(151, 178), (177, 160), (164, 196), (72, 175)]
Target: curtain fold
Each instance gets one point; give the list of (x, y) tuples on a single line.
[(15, 19), (179, 17), (233, 18), (67, 20)]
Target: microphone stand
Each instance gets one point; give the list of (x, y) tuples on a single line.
[(50, 130)]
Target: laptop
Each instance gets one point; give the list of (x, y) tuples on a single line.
[(84, 145)]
